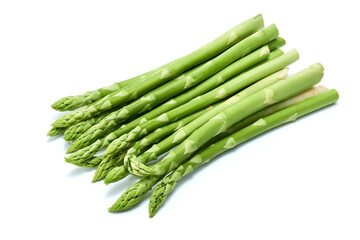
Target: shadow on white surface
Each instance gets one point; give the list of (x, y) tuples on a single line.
[(118, 188), (79, 171)]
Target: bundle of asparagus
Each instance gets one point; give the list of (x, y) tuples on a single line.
[(193, 108)]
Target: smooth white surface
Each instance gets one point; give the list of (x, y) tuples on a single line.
[(300, 181)]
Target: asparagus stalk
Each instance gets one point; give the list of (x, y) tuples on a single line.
[(119, 173), (160, 133), (134, 193), (251, 76), (116, 174), (54, 131), (152, 180), (75, 131), (183, 82), (218, 124), (132, 161), (163, 74), (93, 162), (223, 91), (167, 185), (122, 142), (276, 43), (214, 81), (70, 103), (269, 110), (83, 155), (139, 147), (106, 165)]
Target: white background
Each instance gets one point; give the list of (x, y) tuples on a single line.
[(300, 181)]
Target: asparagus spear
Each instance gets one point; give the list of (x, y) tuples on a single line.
[(119, 144), (251, 76), (106, 165), (184, 82), (75, 131), (163, 74), (122, 204), (269, 110), (54, 131), (123, 141), (276, 43), (160, 133), (268, 96), (134, 193), (83, 155), (92, 163), (139, 147), (214, 81), (120, 172), (70, 103), (132, 161), (223, 91), (116, 174), (167, 185)]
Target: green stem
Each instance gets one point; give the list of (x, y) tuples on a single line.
[(214, 81), (163, 74), (275, 93), (227, 89), (134, 163), (167, 185), (139, 147)]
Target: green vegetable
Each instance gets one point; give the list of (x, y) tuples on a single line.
[(134, 193), (214, 81), (228, 88), (269, 110), (276, 43), (54, 131), (167, 185), (117, 145), (132, 161), (183, 82), (70, 103), (106, 165), (75, 131), (116, 174), (163, 74), (92, 162), (139, 147), (218, 124), (236, 127)]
